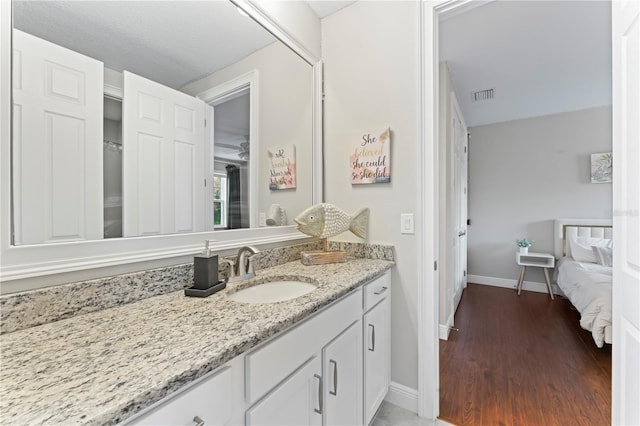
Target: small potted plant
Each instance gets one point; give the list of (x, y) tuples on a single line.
[(524, 244)]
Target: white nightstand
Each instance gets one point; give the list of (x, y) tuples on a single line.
[(539, 260)]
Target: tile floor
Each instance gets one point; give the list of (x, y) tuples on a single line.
[(392, 415)]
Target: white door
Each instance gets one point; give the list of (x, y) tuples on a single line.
[(57, 143), (626, 205), (461, 165), (377, 345), (342, 366), (163, 159), (296, 402)]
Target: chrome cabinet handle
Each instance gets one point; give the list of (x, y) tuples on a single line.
[(379, 292), (373, 338), (335, 377), (319, 409), (197, 421)]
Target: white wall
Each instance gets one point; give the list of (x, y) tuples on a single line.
[(371, 64), (525, 173), (285, 117), (297, 19)]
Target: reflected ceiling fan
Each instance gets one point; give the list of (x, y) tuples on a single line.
[(244, 149)]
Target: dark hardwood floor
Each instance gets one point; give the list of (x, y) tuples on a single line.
[(522, 361)]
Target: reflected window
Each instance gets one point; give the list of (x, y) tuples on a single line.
[(219, 200)]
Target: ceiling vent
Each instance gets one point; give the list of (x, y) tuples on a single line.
[(483, 95)]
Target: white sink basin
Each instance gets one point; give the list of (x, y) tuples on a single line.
[(271, 292)]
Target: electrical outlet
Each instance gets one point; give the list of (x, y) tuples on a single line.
[(263, 219)]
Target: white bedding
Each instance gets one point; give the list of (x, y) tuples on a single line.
[(588, 287)]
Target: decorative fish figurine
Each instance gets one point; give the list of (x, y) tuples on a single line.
[(326, 220)]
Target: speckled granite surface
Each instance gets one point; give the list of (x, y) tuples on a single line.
[(31, 308), (23, 310), (104, 366)]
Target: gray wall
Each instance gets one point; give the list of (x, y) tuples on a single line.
[(371, 57), (523, 174)]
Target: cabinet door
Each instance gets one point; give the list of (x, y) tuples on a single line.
[(296, 402), (377, 346), (342, 366)]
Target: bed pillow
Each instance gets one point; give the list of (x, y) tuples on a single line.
[(581, 249), (604, 255)]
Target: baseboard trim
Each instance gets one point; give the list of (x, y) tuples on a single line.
[(445, 329), (403, 396), (508, 283)]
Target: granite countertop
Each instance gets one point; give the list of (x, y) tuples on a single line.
[(103, 367)]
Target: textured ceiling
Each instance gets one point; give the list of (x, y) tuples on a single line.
[(324, 8), (171, 42), (542, 57)]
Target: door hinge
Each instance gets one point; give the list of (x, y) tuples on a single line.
[(205, 183), (464, 273), (205, 122), (435, 265)]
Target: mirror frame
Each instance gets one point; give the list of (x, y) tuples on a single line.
[(43, 261)]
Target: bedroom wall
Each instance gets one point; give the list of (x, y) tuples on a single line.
[(522, 175)]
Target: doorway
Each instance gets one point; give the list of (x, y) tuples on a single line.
[(230, 119), (232, 132), (429, 367)]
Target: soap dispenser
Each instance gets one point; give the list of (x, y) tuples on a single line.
[(205, 274)]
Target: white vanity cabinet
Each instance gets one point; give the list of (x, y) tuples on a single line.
[(296, 402), (377, 344), (342, 367), (214, 399), (327, 388), (330, 369)]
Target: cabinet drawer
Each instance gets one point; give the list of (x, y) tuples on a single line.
[(377, 290), (211, 399), (268, 365)]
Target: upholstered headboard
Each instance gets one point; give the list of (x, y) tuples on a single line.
[(566, 228)]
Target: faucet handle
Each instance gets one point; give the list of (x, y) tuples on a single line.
[(232, 270)]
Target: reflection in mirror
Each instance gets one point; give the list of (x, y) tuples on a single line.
[(124, 123), (231, 159)]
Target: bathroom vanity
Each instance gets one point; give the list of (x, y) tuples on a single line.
[(310, 372), (321, 358)]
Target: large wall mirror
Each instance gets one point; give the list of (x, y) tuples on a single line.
[(146, 126)]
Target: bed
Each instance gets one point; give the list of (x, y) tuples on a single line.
[(584, 272)]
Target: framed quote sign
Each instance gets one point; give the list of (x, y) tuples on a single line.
[(282, 167), (370, 158)]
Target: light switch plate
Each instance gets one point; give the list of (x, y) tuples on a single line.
[(263, 219), (406, 223)]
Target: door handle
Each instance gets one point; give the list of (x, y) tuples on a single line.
[(319, 409), (335, 377), (462, 233), (373, 338)]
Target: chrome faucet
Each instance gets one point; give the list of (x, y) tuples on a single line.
[(243, 268)]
